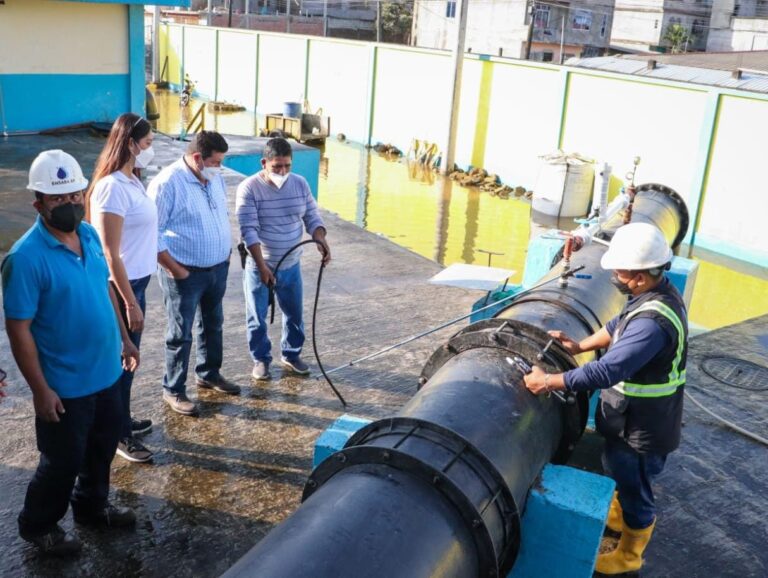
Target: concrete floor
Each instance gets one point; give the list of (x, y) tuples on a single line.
[(219, 482)]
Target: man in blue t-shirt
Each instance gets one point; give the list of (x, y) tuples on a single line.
[(67, 337)]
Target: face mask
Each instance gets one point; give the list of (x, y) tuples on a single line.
[(144, 157), (622, 287), (66, 217), (278, 180), (210, 173)]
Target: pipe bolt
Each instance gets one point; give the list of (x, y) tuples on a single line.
[(385, 455), (311, 483), (341, 457), (476, 523)]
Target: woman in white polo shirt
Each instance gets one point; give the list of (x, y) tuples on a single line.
[(126, 219)]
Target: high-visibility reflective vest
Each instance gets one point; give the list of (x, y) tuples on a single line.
[(676, 376)]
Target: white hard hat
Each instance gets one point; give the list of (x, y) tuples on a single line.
[(56, 173), (637, 247)]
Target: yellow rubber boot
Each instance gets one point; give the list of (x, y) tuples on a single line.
[(615, 515), (628, 555)]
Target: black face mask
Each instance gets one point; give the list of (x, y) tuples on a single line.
[(66, 217), (622, 287)]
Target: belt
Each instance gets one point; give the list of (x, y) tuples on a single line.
[(204, 269)]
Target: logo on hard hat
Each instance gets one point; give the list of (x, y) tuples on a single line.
[(62, 177)]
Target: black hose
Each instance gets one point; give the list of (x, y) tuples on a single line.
[(314, 309)]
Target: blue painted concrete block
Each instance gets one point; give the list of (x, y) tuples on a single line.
[(495, 296), (563, 524), (683, 276), (244, 156), (541, 252), (334, 438)]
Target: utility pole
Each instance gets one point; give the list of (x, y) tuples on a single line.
[(210, 12), (413, 39), (288, 16), (562, 34), (325, 17), (156, 44), (449, 150), (531, 12), (229, 21), (378, 20)]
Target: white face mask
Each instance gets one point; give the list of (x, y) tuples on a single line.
[(278, 180), (210, 173), (145, 157)]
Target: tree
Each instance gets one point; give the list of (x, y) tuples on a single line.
[(678, 38), (396, 19)]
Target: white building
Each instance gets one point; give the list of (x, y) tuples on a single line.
[(738, 26), (640, 25), (500, 27)]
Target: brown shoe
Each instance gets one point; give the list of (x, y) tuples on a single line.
[(219, 384), (180, 403)]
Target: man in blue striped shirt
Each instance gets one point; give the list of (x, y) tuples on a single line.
[(274, 206), (194, 244)]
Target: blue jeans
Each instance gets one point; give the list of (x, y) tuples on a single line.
[(634, 474), (80, 447), (139, 287), (290, 297), (198, 299)]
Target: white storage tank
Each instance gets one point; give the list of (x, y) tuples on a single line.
[(564, 185)]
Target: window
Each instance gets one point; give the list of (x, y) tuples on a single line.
[(450, 9), (604, 26), (582, 20), (542, 56), (541, 17), (697, 29)]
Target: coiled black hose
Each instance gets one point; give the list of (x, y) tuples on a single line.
[(314, 309)]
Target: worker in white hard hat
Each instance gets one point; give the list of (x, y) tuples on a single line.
[(68, 338), (641, 379)]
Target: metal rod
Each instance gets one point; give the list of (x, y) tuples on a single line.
[(443, 326)]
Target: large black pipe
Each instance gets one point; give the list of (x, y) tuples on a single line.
[(438, 490)]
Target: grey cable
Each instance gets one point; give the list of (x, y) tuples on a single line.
[(724, 421)]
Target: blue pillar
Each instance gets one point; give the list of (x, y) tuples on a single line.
[(136, 84)]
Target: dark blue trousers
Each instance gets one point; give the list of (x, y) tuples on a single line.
[(634, 474), (139, 287), (75, 453), (196, 300)]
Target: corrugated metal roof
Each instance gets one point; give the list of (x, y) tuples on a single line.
[(750, 81), (753, 59)]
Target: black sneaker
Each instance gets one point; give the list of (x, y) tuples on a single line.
[(140, 426), (219, 384), (108, 517), (57, 542), (133, 451)]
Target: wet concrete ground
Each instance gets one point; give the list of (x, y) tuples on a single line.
[(219, 482)]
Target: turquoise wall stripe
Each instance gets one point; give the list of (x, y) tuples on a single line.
[(371, 112), (699, 180), (732, 250), (566, 81), (36, 102), (136, 59)]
